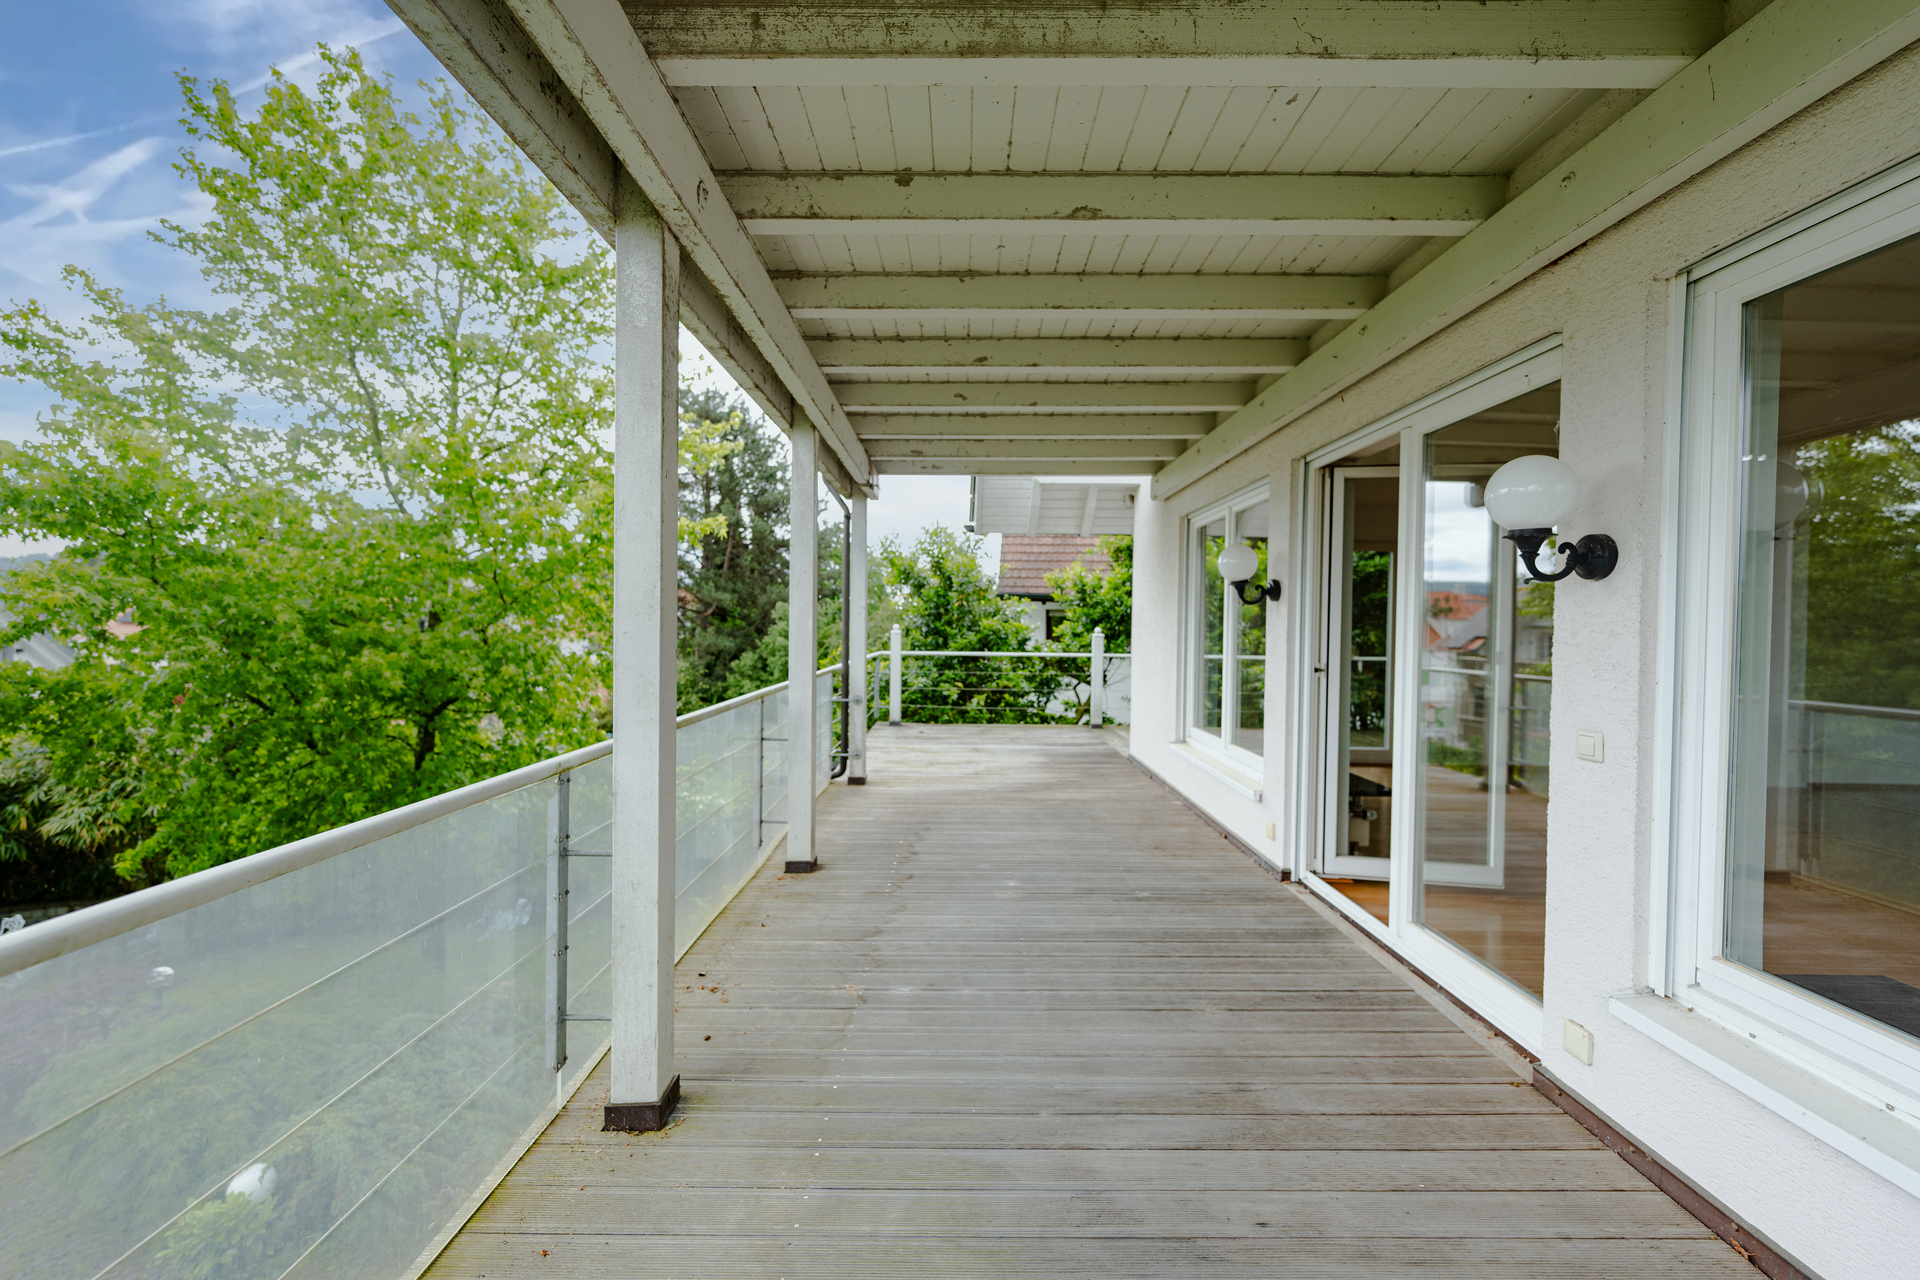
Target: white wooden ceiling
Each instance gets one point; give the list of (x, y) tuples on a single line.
[(1072, 236)]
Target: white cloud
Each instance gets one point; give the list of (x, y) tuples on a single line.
[(79, 192), (67, 140), (297, 67), (60, 225)]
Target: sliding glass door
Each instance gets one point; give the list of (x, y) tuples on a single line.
[(1433, 674)]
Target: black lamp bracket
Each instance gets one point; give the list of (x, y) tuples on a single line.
[(1593, 557), (1269, 592)]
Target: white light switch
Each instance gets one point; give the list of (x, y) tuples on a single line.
[(1269, 831), (1588, 744), (1578, 1041)]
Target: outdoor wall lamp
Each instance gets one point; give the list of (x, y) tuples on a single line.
[(1237, 565), (1527, 497)]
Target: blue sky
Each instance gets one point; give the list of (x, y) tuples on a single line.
[(89, 132)]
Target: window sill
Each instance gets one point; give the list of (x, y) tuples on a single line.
[(1884, 1140), (1239, 779)]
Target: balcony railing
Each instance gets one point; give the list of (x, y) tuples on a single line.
[(986, 686), (315, 1061)]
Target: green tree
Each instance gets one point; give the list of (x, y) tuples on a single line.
[(1102, 601), (1863, 567), (943, 599), (1371, 583), (60, 833), (733, 565), (361, 513)]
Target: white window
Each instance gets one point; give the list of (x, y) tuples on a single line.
[(1795, 844), (1226, 637)]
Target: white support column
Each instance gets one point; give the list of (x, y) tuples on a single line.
[(857, 645), (646, 507), (803, 645)]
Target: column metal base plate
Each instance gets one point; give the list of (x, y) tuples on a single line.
[(643, 1117)]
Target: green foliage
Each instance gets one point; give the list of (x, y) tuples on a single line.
[(1534, 599), (1468, 759), (943, 599), (733, 571), (1371, 585), (392, 581), (221, 1240), (1102, 601), (72, 792), (1863, 568)]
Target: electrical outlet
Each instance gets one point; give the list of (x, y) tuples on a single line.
[(1578, 1041), (1589, 744)]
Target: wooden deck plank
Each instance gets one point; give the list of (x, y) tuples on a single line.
[(1033, 1018)]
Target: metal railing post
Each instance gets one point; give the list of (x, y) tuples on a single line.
[(760, 773), (558, 834), (893, 676), (1097, 678)]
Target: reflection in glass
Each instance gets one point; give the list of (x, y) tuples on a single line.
[(1250, 637), (1823, 867), (1366, 514), (1213, 539), (1485, 694), (1230, 697)]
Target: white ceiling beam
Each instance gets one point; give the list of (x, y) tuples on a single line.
[(1786, 57), (1032, 426), (1510, 44), (597, 62), (1146, 398), (1029, 450), (1017, 467), (1212, 204), (1080, 297), (1169, 357)]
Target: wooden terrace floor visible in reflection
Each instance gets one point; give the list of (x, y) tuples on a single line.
[(1032, 1017)]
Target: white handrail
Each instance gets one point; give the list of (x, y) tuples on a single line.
[(991, 653), (62, 934), (1856, 709)]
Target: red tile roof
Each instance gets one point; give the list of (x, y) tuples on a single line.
[(1026, 560)]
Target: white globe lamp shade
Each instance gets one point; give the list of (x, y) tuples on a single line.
[(1534, 492), (1794, 491), (1238, 562)]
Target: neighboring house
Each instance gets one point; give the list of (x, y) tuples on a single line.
[(1453, 700), (1045, 526), (40, 650), (1025, 561), (1020, 504)]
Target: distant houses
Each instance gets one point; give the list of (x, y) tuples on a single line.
[(40, 650)]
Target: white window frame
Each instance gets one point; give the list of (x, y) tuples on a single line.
[(1812, 1040), (1194, 677)]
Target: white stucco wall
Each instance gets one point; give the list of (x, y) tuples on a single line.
[(1610, 300)]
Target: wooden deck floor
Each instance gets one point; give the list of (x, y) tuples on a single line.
[(1033, 1018)]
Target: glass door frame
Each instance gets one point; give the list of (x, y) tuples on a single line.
[(1336, 619), (1510, 1007)]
